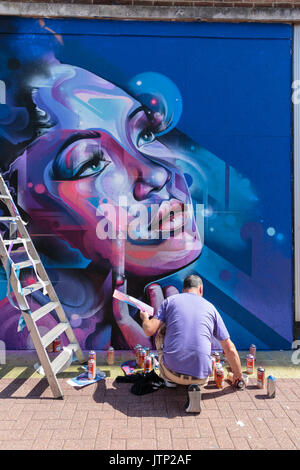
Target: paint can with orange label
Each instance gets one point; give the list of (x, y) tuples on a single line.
[(217, 356), (57, 345), (217, 366), (220, 377), (137, 353), (252, 350), (147, 364), (250, 364), (110, 356), (142, 355), (260, 377), (92, 355), (91, 369)]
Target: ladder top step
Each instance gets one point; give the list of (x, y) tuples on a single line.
[(42, 311), (58, 330), (25, 264)]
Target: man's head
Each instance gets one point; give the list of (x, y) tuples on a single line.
[(193, 284)]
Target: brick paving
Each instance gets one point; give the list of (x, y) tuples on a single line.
[(108, 416)]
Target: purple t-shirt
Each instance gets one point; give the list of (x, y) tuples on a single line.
[(191, 324)]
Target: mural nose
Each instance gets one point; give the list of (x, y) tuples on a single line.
[(155, 180)]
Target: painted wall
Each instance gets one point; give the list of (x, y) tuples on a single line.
[(195, 114)]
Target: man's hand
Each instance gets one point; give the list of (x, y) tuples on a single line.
[(233, 359), (144, 315), (156, 297), (237, 377), (131, 330)]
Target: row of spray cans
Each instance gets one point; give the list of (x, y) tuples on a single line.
[(92, 362), (261, 373), (144, 359), (219, 374)]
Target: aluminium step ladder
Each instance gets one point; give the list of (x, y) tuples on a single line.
[(48, 367)]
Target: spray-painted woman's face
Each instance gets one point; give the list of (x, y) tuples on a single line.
[(98, 176)]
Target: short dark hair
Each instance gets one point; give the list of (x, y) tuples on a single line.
[(192, 282)]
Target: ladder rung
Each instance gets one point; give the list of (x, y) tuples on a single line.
[(16, 241), (3, 219), (33, 287), (39, 313), (4, 197), (63, 358), (25, 264), (49, 337)]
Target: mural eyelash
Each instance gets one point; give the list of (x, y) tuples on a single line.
[(94, 161), (78, 136)]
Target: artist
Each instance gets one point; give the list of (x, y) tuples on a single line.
[(187, 324)]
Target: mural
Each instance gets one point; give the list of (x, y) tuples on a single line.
[(118, 190)]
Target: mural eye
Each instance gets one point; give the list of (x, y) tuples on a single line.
[(145, 137), (95, 165), (80, 159)]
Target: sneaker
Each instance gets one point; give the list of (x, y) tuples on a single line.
[(193, 404), (170, 384)]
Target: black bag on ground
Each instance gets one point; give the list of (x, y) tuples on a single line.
[(143, 383)]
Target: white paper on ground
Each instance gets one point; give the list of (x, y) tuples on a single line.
[(82, 380), (133, 301)]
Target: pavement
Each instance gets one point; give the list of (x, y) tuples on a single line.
[(107, 416)]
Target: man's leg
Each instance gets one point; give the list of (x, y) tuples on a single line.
[(159, 341)]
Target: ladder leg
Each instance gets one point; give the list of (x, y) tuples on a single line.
[(43, 356)]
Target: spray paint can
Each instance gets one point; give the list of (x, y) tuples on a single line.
[(110, 356), (240, 385), (147, 364), (56, 345), (147, 350), (252, 350), (91, 369), (217, 356), (13, 230), (260, 377), (220, 377), (250, 364), (271, 386), (92, 355), (142, 355), (137, 353), (217, 366)]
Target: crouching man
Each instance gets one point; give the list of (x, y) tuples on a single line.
[(186, 325)]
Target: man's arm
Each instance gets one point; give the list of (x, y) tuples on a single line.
[(150, 326), (233, 358)]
